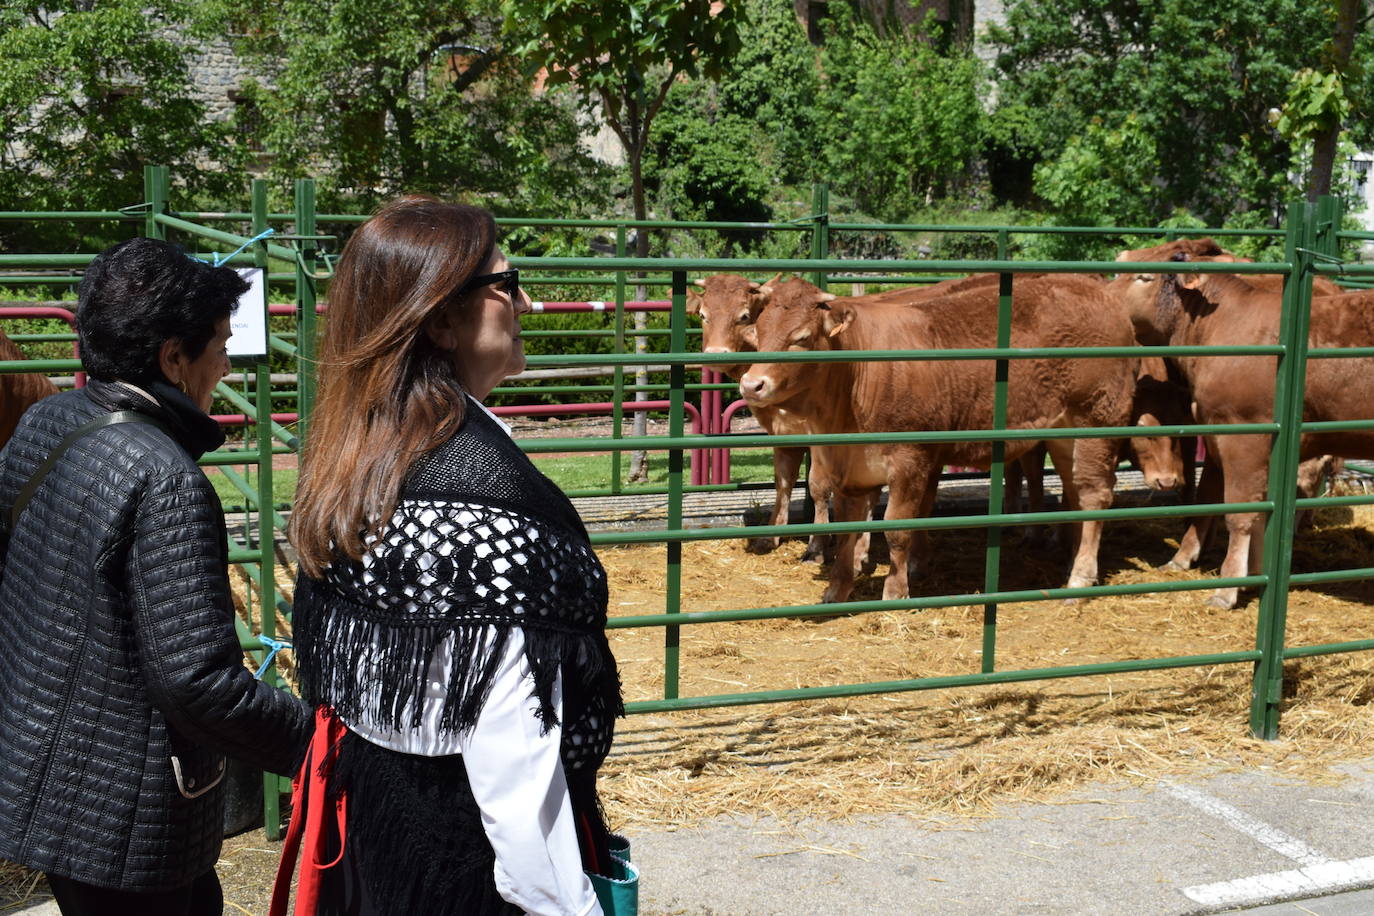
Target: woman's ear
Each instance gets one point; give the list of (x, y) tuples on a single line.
[(441, 330), (171, 359)]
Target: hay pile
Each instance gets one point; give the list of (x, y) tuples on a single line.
[(950, 753), (963, 752)]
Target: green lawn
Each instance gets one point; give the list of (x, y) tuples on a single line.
[(570, 472)]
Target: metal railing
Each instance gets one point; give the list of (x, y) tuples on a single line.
[(1310, 237)]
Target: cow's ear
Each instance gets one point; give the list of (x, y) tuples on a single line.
[(767, 288), (694, 298), (750, 334), (758, 298), (836, 319)]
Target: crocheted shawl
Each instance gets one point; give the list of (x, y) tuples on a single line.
[(480, 542)]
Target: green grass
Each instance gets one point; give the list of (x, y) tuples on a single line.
[(570, 472), (587, 472), (283, 487)]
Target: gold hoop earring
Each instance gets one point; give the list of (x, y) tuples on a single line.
[(181, 386)]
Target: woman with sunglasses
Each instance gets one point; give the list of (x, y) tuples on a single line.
[(450, 613)]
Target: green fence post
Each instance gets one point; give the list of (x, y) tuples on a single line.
[(677, 378), (155, 181), (306, 299), (820, 227), (1266, 693), (992, 564), (618, 379), (267, 586)]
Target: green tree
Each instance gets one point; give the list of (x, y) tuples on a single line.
[(905, 121), (774, 81), (92, 91), (624, 56), (1318, 106), (380, 97), (1196, 78)]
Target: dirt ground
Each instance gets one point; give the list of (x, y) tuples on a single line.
[(962, 752), (948, 754)]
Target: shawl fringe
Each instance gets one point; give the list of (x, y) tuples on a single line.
[(338, 634)]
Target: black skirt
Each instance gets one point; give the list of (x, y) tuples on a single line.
[(415, 842)]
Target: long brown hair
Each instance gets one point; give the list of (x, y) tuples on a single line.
[(387, 393)]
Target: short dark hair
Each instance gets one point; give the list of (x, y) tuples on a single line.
[(141, 293)]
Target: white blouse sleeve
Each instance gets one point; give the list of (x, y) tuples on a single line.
[(517, 779)]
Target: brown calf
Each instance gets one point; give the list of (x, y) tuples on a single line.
[(1214, 309), (938, 395)]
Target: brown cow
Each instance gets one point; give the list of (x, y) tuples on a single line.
[(729, 303), (1213, 309), (18, 390), (938, 395)]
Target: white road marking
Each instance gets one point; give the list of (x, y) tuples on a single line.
[(1319, 874), (1257, 830), (1327, 878)]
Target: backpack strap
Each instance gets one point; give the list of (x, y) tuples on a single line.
[(100, 422)]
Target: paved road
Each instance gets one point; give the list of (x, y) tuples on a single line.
[(1247, 842), (1240, 842)]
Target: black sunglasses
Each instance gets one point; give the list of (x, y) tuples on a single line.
[(508, 281)]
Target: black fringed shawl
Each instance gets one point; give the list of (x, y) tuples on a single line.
[(480, 538)]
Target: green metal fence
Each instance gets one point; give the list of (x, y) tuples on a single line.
[(1311, 239)]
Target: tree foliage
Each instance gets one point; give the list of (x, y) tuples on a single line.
[(624, 55), (905, 122), (389, 96), (90, 92), (1194, 80)]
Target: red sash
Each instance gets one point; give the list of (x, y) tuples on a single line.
[(307, 822)]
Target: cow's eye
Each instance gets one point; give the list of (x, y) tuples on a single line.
[(1144, 278), (742, 318), (705, 318)]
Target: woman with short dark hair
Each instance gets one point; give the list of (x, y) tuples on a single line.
[(450, 613), (122, 684)]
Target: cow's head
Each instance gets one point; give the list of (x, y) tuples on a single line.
[(799, 316), (727, 305), (1159, 402), (1152, 300)]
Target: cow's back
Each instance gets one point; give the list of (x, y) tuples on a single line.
[(1063, 311)]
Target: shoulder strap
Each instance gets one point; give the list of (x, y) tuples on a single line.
[(109, 419)]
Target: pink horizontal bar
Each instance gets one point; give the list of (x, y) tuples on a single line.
[(238, 419)]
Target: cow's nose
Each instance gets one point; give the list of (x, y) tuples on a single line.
[(1166, 482), (752, 386), (717, 350)]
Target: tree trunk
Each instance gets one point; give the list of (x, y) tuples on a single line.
[(1324, 144)]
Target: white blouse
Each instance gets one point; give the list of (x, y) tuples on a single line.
[(516, 775)]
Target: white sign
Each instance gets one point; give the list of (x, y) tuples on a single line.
[(248, 326)]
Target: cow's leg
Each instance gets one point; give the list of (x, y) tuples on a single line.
[(786, 464), (1011, 491), (1094, 481), (1061, 456), (864, 564), (847, 509), (1245, 468), (1199, 527), (819, 545), (1032, 467), (910, 488)]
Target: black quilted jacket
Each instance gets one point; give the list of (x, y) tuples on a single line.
[(122, 684)]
